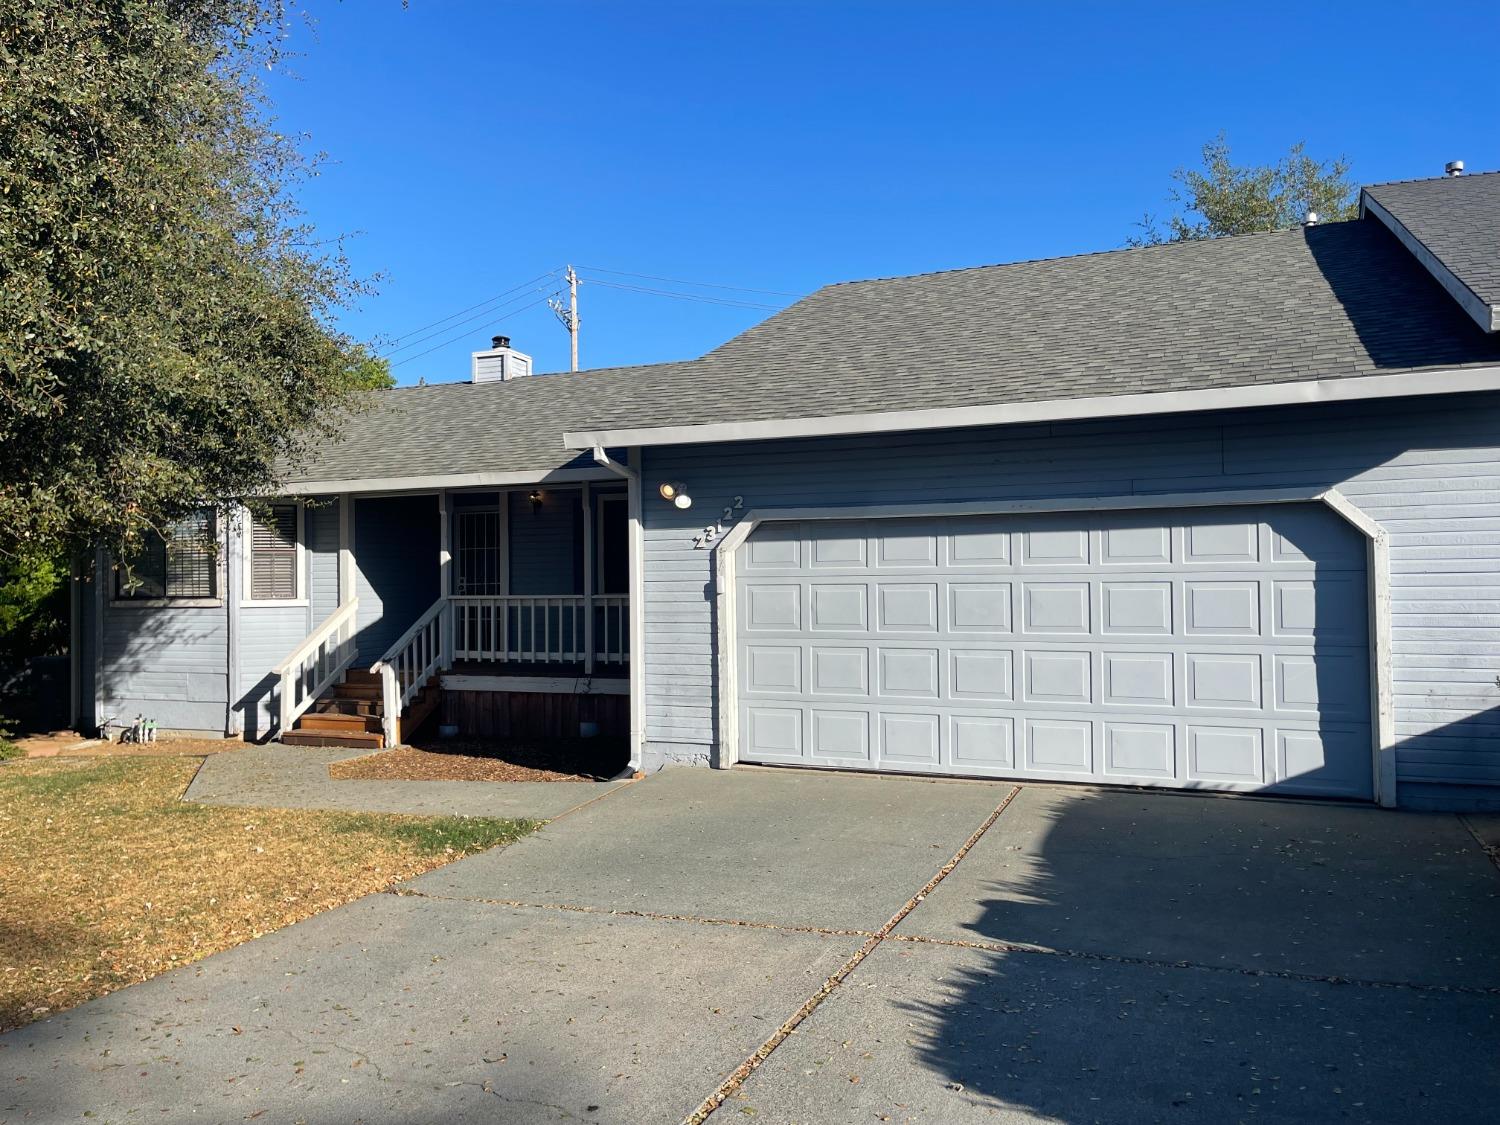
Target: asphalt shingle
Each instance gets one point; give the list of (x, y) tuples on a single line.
[(1332, 301), (1458, 219)]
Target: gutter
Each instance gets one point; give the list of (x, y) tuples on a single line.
[(1288, 393)]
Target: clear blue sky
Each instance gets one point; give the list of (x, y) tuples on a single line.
[(781, 146)]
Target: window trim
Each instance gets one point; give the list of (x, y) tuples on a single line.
[(247, 538), (115, 601)]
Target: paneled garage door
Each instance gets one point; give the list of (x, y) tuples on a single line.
[(1216, 648)]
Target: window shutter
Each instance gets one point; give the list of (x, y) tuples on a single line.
[(273, 556)]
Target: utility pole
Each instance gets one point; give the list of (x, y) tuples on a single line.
[(573, 313), (569, 316)]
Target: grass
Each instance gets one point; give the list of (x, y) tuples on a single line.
[(107, 878)]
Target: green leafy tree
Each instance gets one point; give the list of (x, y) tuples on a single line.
[(370, 372), (1227, 198), (165, 314)]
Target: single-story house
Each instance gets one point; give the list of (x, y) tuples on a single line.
[(1218, 515)]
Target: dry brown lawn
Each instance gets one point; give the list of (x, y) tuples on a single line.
[(107, 878)]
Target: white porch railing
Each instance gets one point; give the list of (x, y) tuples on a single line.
[(420, 653), (541, 629), (315, 664)]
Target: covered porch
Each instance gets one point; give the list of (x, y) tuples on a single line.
[(503, 611)]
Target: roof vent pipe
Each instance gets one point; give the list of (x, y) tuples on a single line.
[(1453, 168), (1311, 220)]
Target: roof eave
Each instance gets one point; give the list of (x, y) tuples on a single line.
[(1431, 381), (437, 482)]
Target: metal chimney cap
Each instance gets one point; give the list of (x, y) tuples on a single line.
[(1311, 220), (1453, 168), (499, 341)]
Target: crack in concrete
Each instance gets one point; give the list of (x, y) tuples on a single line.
[(1163, 963), (615, 912), (737, 1078), (1488, 849)]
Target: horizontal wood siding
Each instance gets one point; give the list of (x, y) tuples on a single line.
[(168, 663), (1427, 469), (267, 636), (396, 542), (545, 553), (321, 528)]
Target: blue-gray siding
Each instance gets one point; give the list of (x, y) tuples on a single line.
[(1427, 469), (269, 633), (168, 663), (321, 530), (396, 542), (544, 548)]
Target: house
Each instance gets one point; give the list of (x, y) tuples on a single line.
[(1218, 515)]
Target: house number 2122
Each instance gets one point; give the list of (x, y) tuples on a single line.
[(713, 531)]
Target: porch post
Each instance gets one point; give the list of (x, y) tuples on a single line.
[(445, 577), (588, 579), (346, 548)]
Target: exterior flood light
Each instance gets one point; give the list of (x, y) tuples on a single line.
[(682, 500), (676, 492)]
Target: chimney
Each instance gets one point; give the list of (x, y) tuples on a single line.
[(1453, 168), (500, 364)]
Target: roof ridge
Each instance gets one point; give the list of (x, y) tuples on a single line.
[(1429, 179), (1155, 247)]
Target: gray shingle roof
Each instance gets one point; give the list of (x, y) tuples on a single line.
[(1338, 300), (1458, 219)]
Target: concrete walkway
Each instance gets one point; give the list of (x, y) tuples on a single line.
[(296, 777), (819, 948)]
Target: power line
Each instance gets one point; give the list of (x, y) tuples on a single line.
[(491, 324), (471, 308), (448, 331), (700, 284), (700, 297)]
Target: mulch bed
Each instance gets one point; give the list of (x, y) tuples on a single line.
[(592, 759)]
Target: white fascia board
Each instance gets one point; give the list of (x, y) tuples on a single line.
[(1347, 389), (440, 481), (1484, 313)]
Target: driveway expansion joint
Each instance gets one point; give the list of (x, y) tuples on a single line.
[(615, 912), (1163, 963), (1488, 849), (737, 1077)]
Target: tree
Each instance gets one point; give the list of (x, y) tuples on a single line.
[(370, 372), (165, 317), (1225, 198)]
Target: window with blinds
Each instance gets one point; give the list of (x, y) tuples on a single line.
[(181, 563), (273, 555)]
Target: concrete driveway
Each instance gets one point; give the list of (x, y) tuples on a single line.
[(1090, 956)]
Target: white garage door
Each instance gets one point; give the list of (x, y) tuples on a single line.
[(1194, 648)]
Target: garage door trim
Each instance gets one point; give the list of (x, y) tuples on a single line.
[(1377, 563)]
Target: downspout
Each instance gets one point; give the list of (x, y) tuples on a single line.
[(632, 475)]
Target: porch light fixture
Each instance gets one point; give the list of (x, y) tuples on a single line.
[(676, 492), (535, 497)]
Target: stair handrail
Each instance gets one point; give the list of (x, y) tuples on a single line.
[(316, 663), (425, 648)]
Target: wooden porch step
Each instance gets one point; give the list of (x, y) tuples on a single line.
[(361, 676), (327, 705), (300, 737), (337, 722), (356, 691)]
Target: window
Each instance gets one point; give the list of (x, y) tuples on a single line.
[(273, 573), (180, 564)]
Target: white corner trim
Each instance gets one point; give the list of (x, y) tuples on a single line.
[(1308, 391), (1382, 706), (1487, 315), (439, 481)]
